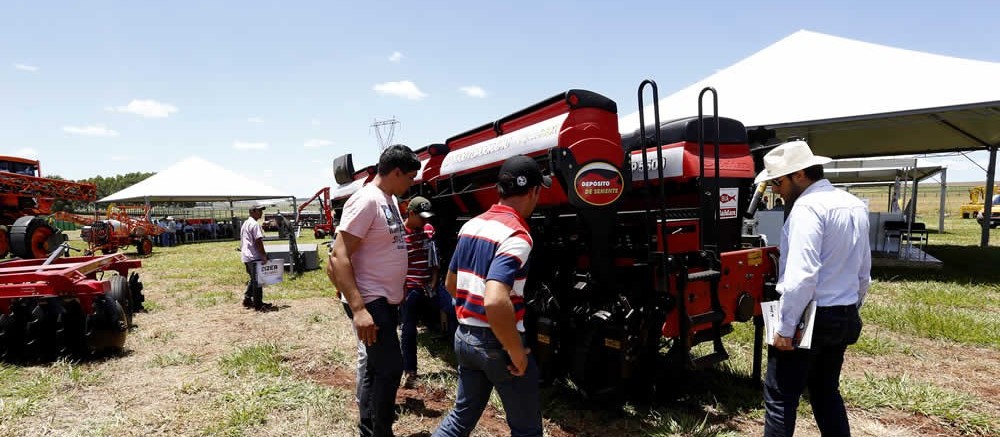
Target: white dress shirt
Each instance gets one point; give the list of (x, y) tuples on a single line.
[(825, 253)]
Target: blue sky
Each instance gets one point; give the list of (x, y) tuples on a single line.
[(276, 90)]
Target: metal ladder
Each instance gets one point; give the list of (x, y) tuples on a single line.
[(708, 257)]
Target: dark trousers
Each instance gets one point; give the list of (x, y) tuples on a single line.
[(789, 373), (254, 293), (383, 370), (482, 367), (408, 333)]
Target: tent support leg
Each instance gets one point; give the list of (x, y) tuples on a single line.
[(991, 173), (944, 193)]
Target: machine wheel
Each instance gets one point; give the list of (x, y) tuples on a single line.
[(32, 237), (4, 242), (120, 293), (44, 332), (319, 234), (145, 246)]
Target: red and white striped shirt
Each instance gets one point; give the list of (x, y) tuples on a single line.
[(494, 245)]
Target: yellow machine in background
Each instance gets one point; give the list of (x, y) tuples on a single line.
[(977, 195)]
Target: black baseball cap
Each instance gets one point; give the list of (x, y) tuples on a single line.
[(518, 174), (421, 206)]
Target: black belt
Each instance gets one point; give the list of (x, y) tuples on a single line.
[(839, 309)]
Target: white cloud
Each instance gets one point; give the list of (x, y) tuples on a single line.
[(26, 152), (403, 88), (96, 130), (246, 145), (25, 67), (255, 120), (316, 143), (148, 108), (395, 57), (120, 158), (473, 91)]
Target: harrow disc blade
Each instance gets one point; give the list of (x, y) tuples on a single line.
[(105, 330), (10, 336)]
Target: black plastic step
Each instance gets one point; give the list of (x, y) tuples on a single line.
[(709, 317), (705, 275)]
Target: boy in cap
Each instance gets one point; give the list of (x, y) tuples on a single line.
[(825, 256), (421, 274), (486, 276), (252, 252)]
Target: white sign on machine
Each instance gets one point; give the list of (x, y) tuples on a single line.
[(729, 203), (539, 136)]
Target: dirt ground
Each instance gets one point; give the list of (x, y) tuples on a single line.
[(171, 380)]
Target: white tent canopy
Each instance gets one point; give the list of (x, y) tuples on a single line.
[(850, 98), (195, 180)]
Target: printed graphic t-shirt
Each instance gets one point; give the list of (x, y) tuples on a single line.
[(380, 260)]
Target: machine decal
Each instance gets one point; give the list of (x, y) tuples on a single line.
[(539, 136), (728, 203), (599, 183), (755, 258), (672, 160)]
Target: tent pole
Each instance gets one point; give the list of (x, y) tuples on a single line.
[(991, 173), (944, 193)]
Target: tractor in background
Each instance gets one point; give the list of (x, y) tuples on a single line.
[(325, 225), (25, 199), (118, 230), (977, 195)]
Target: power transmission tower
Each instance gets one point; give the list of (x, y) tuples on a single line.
[(384, 131)]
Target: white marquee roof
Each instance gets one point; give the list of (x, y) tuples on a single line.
[(850, 98), (195, 180)]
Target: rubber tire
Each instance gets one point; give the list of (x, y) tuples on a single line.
[(319, 234), (144, 246), (119, 292), (29, 237), (4, 242)]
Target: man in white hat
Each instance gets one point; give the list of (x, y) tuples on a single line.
[(825, 256)]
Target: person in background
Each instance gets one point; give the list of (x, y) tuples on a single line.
[(368, 265), (825, 257), (252, 252), (486, 276), (421, 275)]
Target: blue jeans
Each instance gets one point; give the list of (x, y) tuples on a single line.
[(789, 373), (408, 335), (383, 369), (482, 366), (447, 305), (254, 294)]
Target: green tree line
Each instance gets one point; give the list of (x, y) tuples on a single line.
[(105, 186)]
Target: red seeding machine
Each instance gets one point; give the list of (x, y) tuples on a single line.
[(61, 306), (25, 198), (639, 252)]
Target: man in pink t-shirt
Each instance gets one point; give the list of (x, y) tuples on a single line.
[(368, 266)]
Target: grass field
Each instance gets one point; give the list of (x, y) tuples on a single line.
[(199, 364)]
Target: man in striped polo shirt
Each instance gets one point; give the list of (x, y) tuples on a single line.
[(421, 274), (486, 276)]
